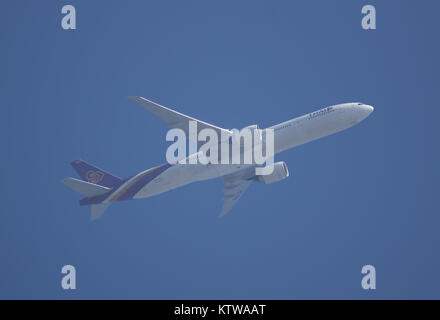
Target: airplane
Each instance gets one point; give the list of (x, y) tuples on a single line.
[(101, 188)]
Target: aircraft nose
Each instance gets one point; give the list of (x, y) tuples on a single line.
[(368, 108), (362, 111)]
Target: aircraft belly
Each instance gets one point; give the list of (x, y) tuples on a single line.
[(167, 180), (184, 174)]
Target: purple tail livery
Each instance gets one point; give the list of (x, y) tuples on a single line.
[(95, 175)]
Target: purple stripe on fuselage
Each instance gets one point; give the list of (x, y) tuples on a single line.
[(130, 189), (139, 183), (102, 197)]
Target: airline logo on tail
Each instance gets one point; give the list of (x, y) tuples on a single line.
[(94, 176)]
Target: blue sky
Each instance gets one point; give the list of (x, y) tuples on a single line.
[(367, 195)]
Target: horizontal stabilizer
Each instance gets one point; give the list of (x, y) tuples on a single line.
[(98, 210), (85, 188)]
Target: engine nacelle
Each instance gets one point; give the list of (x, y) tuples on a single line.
[(279, 173)]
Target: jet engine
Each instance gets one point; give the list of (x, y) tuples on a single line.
[(279, 173)]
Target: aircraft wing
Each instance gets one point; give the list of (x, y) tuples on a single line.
[(235, 186), (176, 119)]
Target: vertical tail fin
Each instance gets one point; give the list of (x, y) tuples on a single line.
[(92, 174)]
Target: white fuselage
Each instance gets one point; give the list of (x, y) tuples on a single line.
[(287, 135)]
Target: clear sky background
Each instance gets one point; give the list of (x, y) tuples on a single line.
[(367, 195)]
